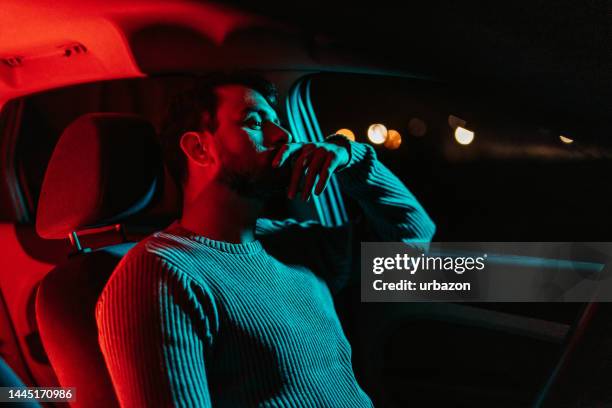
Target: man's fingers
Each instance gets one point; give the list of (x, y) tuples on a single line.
[(324, 176), (298, 171), (310, 161), (285, 152), (318, 158)]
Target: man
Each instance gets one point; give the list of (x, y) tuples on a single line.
[(227, 309)]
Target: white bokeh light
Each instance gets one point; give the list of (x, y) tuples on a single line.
[(464, 136), (377, 133)]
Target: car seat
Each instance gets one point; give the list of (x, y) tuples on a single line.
[(104, 189)]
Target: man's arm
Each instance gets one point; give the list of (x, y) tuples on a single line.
[(154, 332), (390, 208)]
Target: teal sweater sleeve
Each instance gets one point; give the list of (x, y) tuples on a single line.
[(155, 328), (390, 208)]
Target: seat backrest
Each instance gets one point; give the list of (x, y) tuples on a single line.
[(104, 176), (65, 306)]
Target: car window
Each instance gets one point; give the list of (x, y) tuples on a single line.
[(528, 174)]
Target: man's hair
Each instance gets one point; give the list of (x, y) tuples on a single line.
[(186, 113)]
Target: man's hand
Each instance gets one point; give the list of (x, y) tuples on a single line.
[(311, 160)]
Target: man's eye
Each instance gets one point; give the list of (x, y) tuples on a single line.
[(253, 123)]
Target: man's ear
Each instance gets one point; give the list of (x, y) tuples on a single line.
[(195, 150)]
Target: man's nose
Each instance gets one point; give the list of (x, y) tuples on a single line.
[(275, 134)]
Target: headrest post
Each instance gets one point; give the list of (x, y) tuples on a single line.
[(76, 244), (74, 240)]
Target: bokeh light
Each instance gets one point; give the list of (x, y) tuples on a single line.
[(348, 133), (566, 139), (417, 127), (464, 136), (394, 139), (377, 133)]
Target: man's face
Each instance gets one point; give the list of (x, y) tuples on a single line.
[(247, 136)]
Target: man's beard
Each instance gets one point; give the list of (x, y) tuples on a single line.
[(263, 185)]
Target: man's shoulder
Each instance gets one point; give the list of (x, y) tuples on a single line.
[(157, 246), (164, 253), (149, 274)]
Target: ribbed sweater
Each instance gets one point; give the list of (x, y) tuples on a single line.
[(192, 322)]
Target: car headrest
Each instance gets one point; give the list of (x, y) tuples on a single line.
[(105, 169)]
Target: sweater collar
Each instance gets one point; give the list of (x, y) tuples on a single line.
[(245, 248)]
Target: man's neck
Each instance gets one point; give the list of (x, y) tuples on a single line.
[(221, 214)]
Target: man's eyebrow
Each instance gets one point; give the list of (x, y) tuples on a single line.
[(272, 117)]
